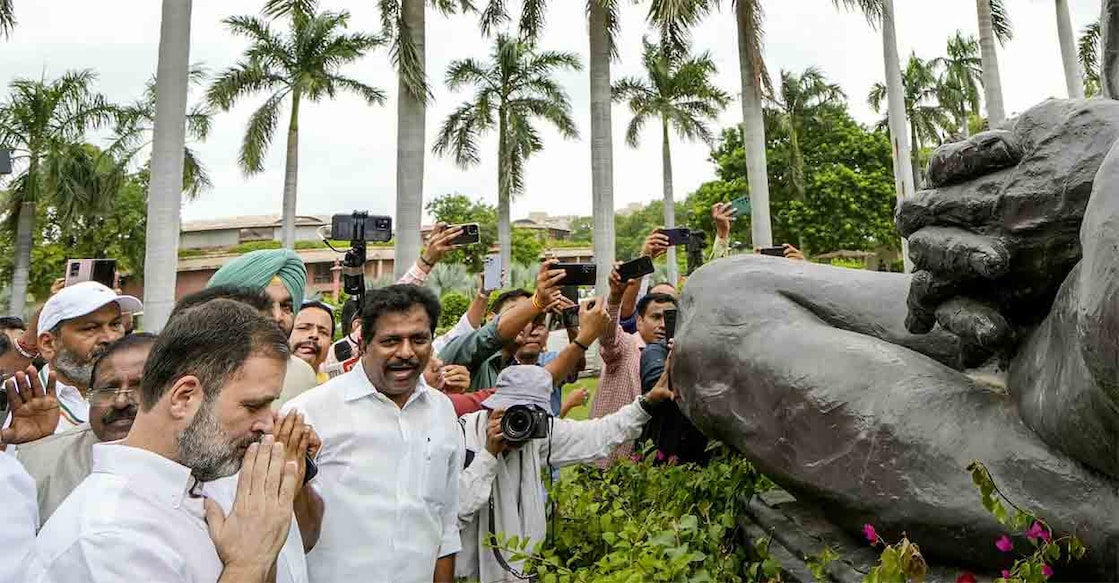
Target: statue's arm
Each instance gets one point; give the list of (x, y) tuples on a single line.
[(1098, 297)]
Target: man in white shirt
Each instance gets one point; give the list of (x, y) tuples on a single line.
[(205, 404), (391, 453), (499, 492), (34, 415), (75, 326)]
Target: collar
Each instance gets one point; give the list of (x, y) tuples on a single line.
[(60, 386), (161, 479), (640, 341), (358, 386)]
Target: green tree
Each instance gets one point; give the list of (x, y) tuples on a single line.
[(136, 126), (961, 73), (800, 97), (45, 119), (582, 229), (1088, 54), (927, 119), (677, 91), (456, 209), (527, 246), (511, 90), (304, 64)]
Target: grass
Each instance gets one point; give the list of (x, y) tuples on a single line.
[(591, 385)]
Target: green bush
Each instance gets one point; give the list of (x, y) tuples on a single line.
[(643, 522), (454, 306)]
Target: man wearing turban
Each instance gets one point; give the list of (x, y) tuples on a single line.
[(281, 274)]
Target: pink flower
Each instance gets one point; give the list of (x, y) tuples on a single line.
[(672, 460), (1037, 531), (870, 533), (966, 577), (635, 458), (1005, 574), (1047, 571), (660, 456), (1004, 544)]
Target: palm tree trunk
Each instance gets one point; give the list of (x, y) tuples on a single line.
[(168, 146), (669, 204), (504, 224), (753, 129), (411, 123), (1109, 49), (24, 229), (992, 84), (602, 145), (1068, 51), (291, 175), (798, 170), (915, 156), (895, 101)]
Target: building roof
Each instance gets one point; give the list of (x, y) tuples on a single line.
[(252, 222)]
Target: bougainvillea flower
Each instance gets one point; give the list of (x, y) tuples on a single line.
[(1005, 574), (1004, 544), (635, 458), (871, 534), (1037, 531), (966, 577), (1047, 571), (660, 456)]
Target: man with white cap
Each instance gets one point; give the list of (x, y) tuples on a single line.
[(508, 445), (76, 325)]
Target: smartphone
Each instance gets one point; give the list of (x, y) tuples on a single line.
[(360, 226), (669, 324), (577, 273), (676, 236), (741, 206), (103, 271), (470, 234), (491, 272), (639, 267), (773, 251), (312, 468)]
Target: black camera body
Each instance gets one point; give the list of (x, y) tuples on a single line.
[(524, 422), (361, 226)]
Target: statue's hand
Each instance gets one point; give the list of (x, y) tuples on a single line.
[(999, 232)]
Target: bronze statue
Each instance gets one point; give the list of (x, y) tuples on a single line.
[(858, 390)]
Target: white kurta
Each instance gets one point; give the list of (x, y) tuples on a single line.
[(19, 516), (515, 483), (388, 477)]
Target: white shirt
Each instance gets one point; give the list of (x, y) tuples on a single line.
[(291, 564), (74, 407), (388, 477), (19, 516), (132, 519), (514, 482)]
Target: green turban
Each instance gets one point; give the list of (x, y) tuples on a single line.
[(257, 270)]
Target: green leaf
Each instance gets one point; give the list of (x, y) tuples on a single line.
[(689, 522)]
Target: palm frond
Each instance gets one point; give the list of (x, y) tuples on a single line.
[(244, 78), (403, 52), (1000, 22), (876, 97), (278, 8), (459, 136), (871, 9), (675, 19), (371, 95), (533, 13), (259, 133), (1088, 53), (467, 72), (196, 178), (7, 17)]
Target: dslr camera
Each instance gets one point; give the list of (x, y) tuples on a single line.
[(524, 422)]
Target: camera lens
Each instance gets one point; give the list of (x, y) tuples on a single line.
[(517, 424), (471, 229), (382, 223)]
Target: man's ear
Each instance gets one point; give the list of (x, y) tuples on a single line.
[(185, 396), (49, 345)]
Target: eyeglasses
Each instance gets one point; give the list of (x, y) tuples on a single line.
[(101, 397)]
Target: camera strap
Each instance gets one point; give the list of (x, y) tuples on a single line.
[(497, 552)]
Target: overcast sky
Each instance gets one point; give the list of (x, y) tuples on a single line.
[(347, 157)]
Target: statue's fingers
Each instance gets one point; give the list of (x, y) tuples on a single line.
[(980, 154), (974, 322), (958, 253), (968, 205), (926, 292)]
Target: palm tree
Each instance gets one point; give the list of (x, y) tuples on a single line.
[(679, 93), (165, 187), (927, 119), (404, 22), (994, 24), (512, 89), (135, 132), (1068, 50), (961, 76), (7, 17), (42, 118), (1088, 54), (301, 65), (799, 96)]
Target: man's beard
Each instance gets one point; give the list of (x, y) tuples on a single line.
[(72, 367), (205, 449)]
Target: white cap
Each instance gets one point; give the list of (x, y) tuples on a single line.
[(80, 299)]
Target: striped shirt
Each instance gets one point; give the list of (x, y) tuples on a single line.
[(620, 383)]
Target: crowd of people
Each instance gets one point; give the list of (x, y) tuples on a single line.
[(240, 444)]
